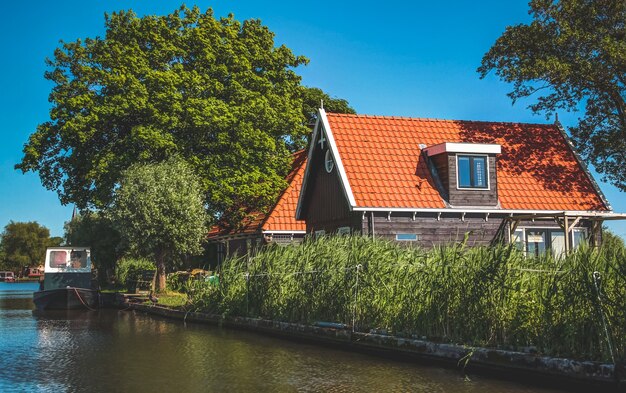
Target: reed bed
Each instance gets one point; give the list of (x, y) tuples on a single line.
[(489, 297)]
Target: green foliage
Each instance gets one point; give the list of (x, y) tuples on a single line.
[(96, 231), (129, 269), (473, 296), (611, 240), (574, 51), (24, 244), (311, 99), (158, 211), (216, 92), (177, 281)]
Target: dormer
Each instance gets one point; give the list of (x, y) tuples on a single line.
[(467, 172)]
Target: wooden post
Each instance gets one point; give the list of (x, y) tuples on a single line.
[(566, 229), (596, 226), (512, 227)]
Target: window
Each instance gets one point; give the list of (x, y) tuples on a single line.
[(283, 239), (580, 236), (329, 164), (407, 237), (78, 259), (343, 231), (472, 172), (58, 259), (537, 241)]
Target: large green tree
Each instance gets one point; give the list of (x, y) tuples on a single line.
[(217, 92), (572, 53), (313, 97), (158, 210), (24, 244)]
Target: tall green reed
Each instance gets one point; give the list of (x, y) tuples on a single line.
[(489, 296)]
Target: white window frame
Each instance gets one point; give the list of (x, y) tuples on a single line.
[(417, 237), (458, 183), (329, 161), (558, 229)]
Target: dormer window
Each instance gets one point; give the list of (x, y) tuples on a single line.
[(472, 171), (465, 173)]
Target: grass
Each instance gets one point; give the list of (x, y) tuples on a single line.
[(492, 297), (172, 299)]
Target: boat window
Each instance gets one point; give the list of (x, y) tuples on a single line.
[(58, 259), (78, 259)]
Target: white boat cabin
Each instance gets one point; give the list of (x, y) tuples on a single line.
[(68, 260)]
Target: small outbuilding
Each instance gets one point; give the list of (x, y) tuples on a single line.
[(278, 225)]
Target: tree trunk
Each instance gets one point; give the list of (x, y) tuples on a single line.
[(160, 278)]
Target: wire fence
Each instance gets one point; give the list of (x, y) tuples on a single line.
[(573, 307)]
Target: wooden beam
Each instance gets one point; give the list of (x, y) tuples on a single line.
[(513, 223), (573, 224), (596, 227), (566, 229)]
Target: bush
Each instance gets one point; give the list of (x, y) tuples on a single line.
[(129, 269), (177, 281)]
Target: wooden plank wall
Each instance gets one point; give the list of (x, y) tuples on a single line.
[(431, 231), (472, 197), (325, 205)]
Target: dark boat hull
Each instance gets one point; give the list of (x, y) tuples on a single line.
[(67, 299)]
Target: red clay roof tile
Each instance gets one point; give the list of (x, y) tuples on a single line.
[(536, 171)]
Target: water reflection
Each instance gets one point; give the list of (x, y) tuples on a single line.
[(120, 351)]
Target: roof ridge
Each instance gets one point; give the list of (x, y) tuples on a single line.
[(366, 116)]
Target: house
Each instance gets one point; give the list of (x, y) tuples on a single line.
[(278, 225), (428, 181)]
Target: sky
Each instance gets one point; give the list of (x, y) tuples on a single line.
[(396, 58)]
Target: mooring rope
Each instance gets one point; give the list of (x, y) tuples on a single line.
[(81, 299)]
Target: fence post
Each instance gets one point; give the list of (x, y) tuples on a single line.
[(596, 284), (247, 276), (356, 297)]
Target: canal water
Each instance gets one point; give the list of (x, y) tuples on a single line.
[(123, 351)]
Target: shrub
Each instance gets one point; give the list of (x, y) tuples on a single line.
[(129, 269)]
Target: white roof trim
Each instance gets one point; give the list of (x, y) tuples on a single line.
[(338, 163), (281, 232), (322, 121), (476, 148), (473, 210)]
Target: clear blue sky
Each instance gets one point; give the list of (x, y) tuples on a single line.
[(398, 58)]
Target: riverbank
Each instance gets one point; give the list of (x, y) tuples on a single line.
[(556, 372)]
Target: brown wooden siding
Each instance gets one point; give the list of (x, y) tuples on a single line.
[(431, 231), (325, 206), (475, 197), (449, 228)]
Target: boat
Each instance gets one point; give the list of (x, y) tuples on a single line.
[(67, 283), (7, 277)]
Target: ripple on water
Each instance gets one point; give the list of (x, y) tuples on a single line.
[(120, 351)]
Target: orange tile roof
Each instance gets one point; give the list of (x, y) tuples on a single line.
[(281, 216), (537, 169)]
